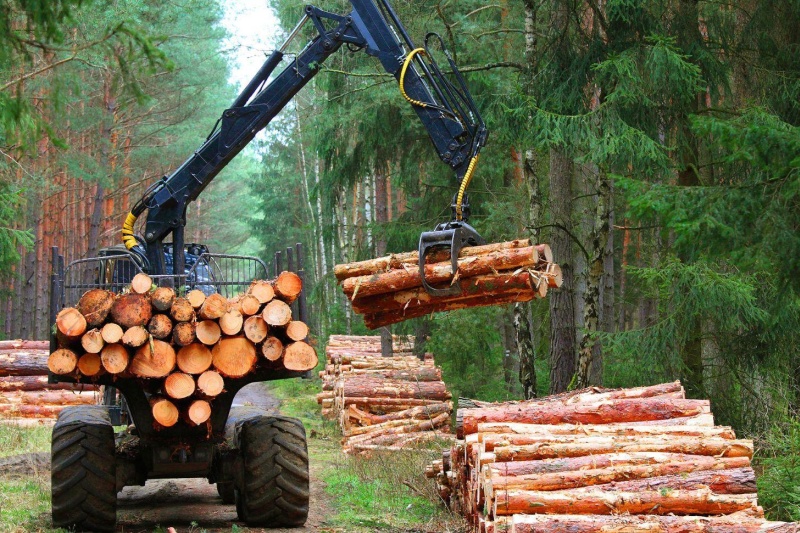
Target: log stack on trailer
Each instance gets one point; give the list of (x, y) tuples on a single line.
[(383, 403), (389, 289), (628, 460), (182, 348), (25, 394)]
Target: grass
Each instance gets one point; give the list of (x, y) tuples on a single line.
[(385, 492), (15, 439)]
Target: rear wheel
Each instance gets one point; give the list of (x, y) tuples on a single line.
[(274, 488), (83, 470)]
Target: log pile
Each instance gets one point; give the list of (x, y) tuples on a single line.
[(25, 394), (383, 403), (389, 289), (182, 348), (628, 460)]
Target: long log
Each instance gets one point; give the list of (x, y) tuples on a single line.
[(62, 397), (601, 476), (593, 462), (687, 445), (22, 344), (401, 279), (495, 440), (679, 502), (386, 402), (503, 284), (359, 386), (741, 522), (612, 411), (385, 318), (493, 430), (37, 383), (422, 373), (24, 361), (382, 264), (30, 411), (740, 480)]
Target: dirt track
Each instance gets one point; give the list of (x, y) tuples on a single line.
[(180, 502)]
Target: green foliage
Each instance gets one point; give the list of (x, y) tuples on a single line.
[(779, 483), (11, 239)]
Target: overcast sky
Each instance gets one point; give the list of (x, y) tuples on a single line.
[(254, 34)]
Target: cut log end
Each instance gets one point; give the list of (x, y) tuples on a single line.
[(272, 349), (255, 329), (288, 286), (234, 357), (71, 323), (196, 298), (160, 326), (114, 358), (141, 283), (135, 336), (95, 305), (213, 307), (183, 333), (182, 310), (277, 313), (179, 385), (194, 358), (208, 332), (163, 298), (300, 356), (90, 365), (165, 413), (296, 330), (210, 384), (62, 361), (112, 333), (92, 341), (262, 291), (131, 310), (199, 412), (155, 359), (231, 322)]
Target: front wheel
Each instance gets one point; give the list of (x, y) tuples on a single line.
[(83, 469), (274, 487)]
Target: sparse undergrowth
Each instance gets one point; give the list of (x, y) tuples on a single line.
[(24, 498)]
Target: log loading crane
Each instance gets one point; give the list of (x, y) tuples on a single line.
[(259, 462)]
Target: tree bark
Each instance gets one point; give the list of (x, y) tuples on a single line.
[(562, 314)]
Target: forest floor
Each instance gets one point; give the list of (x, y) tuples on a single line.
[(347, 494)]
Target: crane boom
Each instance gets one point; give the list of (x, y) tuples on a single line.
[(447, 111)]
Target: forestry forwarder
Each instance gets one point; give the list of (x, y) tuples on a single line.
[(258, 461)]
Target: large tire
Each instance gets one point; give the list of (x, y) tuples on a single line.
[(83, 470), (226, 491), (274, 491)]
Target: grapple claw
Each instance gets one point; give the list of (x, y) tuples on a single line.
[(453, 235)]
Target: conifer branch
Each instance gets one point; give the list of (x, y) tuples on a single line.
[(37, 72)]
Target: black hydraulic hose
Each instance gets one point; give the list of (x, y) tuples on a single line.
[(263, 74)]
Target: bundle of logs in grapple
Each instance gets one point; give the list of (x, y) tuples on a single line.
[(629, 460), (389, 289), (383, 403), (25, 394), (183, 348)]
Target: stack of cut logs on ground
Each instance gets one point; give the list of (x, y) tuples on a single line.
[(632, 460), (389, 289), (25, 393), (182, 348), (383, 403)]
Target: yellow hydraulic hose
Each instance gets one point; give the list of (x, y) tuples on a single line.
[(406, 63), (127, 231), (464, 184)]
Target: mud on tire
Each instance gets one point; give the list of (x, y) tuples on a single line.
[(274, 488), (83, 470)]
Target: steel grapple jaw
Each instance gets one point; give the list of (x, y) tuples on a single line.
[(454, 236)]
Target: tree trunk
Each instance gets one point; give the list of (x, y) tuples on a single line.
[(562, 314)]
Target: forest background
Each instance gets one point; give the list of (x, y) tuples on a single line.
[(654, 144)]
